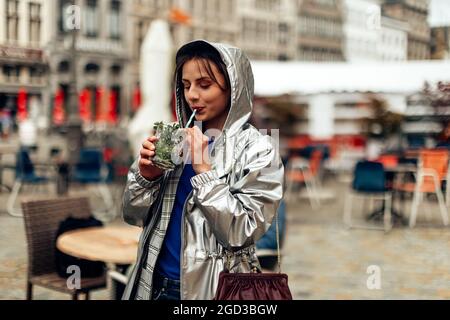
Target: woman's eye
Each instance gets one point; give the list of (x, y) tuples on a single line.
[(204, 85)]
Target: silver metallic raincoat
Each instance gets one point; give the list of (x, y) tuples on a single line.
[(229, 208)]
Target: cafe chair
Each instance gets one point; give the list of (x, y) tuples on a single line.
[(42, 219), (119, 277), (369, 182), (432, 170), (301, 172), (266, 246), (91, 170), (25, 175)]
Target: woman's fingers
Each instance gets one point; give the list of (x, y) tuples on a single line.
[(145, 153), (148, 145), (144, 162)]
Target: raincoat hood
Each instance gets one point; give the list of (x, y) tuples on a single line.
[(241, 82)]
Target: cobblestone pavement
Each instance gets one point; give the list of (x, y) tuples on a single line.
[(323, 259)]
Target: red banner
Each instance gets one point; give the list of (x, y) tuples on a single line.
[(112, 107), (100, 114), (22, 105), (85, 105), (59, 113), (137, 99)]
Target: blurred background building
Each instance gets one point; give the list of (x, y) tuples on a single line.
[(267, 29), (102, 58), (36, 52), (439, 20), (24, 32), (320, 30), (415, 13)]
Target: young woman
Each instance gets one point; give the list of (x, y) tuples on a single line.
[(206, 215)]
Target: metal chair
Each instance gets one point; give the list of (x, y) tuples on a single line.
[(432, 170), (25, 175), (369, 182), (266, 246), (90, 170), (301, 172), (42, 219)]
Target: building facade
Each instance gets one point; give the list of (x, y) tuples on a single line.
[(267, 29), (23, 66), (101, 56), (361, 30), (213, 20), (415, 13), (393, 40), (439, 20), (440, 42), (320, 33)]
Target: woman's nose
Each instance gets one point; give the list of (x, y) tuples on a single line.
[(192, 94)]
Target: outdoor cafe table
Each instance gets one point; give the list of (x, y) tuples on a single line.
[(398, 171), (114, 245)]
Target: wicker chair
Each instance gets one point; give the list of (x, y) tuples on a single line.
[(42, 219)]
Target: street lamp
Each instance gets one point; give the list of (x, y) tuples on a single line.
[(74, 129)]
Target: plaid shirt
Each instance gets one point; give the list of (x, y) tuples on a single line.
[(144, 288)]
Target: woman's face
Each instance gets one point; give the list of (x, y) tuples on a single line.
[(203, 94)]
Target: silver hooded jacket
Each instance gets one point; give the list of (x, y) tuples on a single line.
[(230, 207)]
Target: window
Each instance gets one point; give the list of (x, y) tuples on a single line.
[(191, 5), (64, 66), (35, 75), (35, 22), (11, 73), (12, 20), (116, 70), (139, 37), (92, 68), (114, 20), (63, 5), (91, 18)]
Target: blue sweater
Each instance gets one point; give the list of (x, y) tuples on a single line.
[(168, 262)]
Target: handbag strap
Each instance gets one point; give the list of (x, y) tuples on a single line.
[(278, 242), (277, 231)]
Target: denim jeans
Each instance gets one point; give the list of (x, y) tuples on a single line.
[(164, 288)]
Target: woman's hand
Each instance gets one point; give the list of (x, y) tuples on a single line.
[(197, 144), (146, 167)]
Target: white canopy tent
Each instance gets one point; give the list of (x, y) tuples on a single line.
[(322, 84), (277, 78)]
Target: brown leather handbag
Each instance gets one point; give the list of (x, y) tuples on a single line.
[(254, 285)]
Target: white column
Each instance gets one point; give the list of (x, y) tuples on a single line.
[(103, 19), (24, 38), (396, 102), (321, 116), (2, 21), (46, 23)]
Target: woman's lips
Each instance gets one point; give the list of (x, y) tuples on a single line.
[(199, 110)]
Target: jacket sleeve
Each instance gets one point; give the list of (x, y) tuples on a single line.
[(240, 214), (138, 196)]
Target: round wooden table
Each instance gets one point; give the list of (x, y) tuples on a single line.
[(115, 245), (111, 244)]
